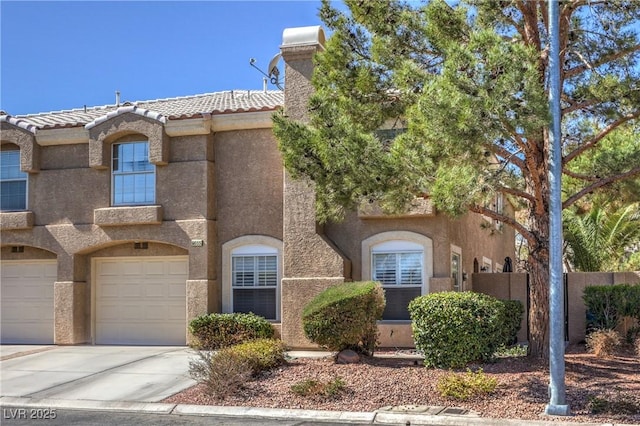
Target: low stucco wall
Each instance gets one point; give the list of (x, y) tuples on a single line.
[(513, 286)]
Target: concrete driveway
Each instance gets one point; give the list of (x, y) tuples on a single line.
[(98, 373)]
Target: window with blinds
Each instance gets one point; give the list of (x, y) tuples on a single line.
[(400, 274), (398, 268), (254, 282)]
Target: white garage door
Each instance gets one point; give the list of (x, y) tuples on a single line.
[(141, 300), (26, 291)]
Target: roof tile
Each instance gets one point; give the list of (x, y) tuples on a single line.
[(233, 101)]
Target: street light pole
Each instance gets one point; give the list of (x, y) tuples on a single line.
[(557, 405)]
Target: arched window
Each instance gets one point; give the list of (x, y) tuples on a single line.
[(13, 181), (251, 273), (403, 263)]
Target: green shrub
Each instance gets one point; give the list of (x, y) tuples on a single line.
[(452, 329), (463, 386), (260, 354), (511, 351), (344, 317), (514, 309), (607, 305), (603, 343), (215, 331), (318, 389), (221, 376)]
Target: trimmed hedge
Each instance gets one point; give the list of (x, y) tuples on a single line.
[(452, 329), (216, 331), (606, 305), (344, 317), (260, 354), (514, 310)]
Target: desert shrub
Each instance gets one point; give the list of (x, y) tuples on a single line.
[(463, 386), (607, 305), (616, 404), (319, 389), (215, 331), (636, 346), (260, 354), (452, 329), (514, 309), (344, 317), (221, 375), (603, 343)]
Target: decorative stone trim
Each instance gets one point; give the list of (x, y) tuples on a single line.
[(18, 123), (227, 252), (126, 121), (22, 134), (124, 110), (407, 236), (128, 215), (16, 220)]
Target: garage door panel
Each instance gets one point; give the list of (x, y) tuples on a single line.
[(26, 293), (143, 302)]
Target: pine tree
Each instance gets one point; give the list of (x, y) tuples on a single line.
[(464, 90)]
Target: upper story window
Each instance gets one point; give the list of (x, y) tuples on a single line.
[(13, 182), (133, 176)]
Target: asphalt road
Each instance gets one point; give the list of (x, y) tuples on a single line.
[(56, 417)]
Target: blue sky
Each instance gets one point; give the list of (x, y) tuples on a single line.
[(61, 55)]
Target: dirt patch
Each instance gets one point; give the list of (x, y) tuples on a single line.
[(377, 382)]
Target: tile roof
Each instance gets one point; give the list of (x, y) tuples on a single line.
[(233, 101)]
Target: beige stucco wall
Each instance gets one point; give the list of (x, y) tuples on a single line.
[(65, 196), (480, 239), (349, 234), (248, 172)]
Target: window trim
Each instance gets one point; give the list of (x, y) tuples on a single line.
[(455, 250), (245, 245), (25, 179), (114, 174)]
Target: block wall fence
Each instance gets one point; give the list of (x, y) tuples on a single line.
[(513, 286)]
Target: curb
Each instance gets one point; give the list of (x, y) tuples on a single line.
[(375, 417)]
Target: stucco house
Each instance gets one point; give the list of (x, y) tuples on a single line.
[(121, 223)]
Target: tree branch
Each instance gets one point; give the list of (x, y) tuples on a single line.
[(578, 175), (603, 60), (582, 148), (599, 184), (577, 105), (528, 235), (510, 157), (516, 192)]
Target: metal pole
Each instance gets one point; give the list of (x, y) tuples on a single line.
[(557, 399)]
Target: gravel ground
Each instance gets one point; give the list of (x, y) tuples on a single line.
[(377, 382)]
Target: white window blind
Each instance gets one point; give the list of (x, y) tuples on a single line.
[(398, 268)]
